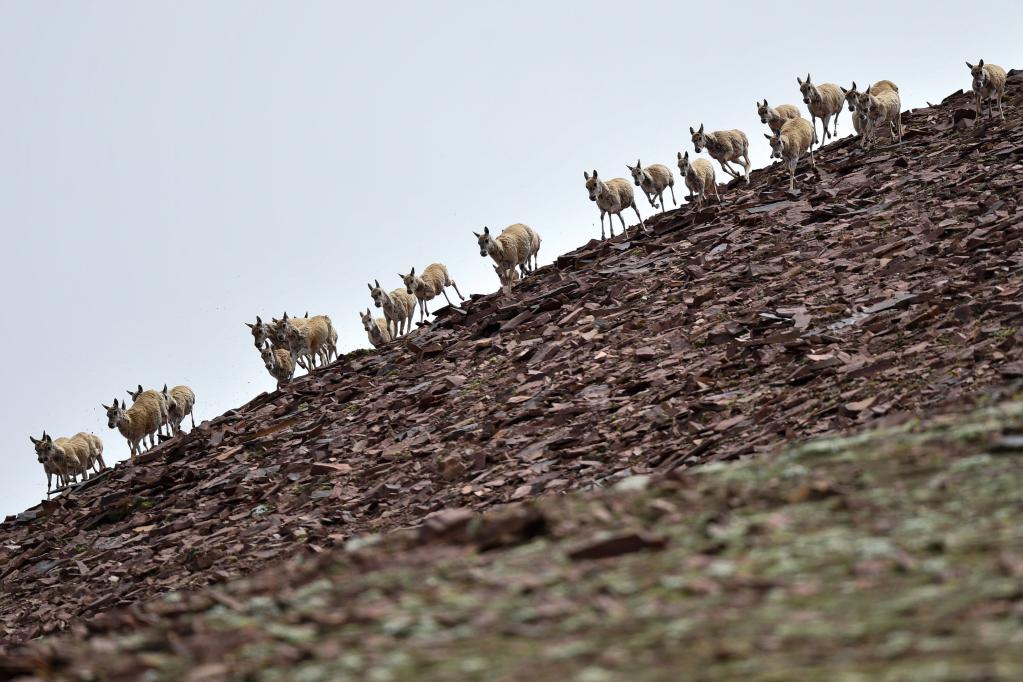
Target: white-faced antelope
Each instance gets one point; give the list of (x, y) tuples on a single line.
[(793, 140), (824, 102), (699, 177), (724, 146), (426, 286), (653, 180), (775, 117), (988, 85), (612, 198)]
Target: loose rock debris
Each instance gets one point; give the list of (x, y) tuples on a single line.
[(891, 288)]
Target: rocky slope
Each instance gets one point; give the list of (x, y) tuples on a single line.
[(843, 559), (889, 288)]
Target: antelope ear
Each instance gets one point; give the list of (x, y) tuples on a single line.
[(369, 286), (586, 176), (594, 173), (980, 63), (844, 91), (486, 230), (105, 407), (258, 321), (250, 325), (854, 85), (687, 155), (165, 388), (799, 80), (413, 273), (401, 276), (34, 441), (767, 136), (969, 65), (140, 388), (807, 76), (679, 154), (47, 438), (701, 128), (691, 131), (367, 311), (638, 164), (478, 235)]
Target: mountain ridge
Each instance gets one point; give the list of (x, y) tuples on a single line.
[(886, 289)]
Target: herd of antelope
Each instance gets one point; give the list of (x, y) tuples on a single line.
[(150, 414), (791, 137), (309, 342)]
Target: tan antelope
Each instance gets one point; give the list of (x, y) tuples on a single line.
[(612, 198), (988, 84), (823, 101), (724, 146)]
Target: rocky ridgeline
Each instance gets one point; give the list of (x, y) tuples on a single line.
[(889, 287)]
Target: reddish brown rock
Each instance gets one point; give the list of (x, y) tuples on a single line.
[(888, 286), (616, 545)]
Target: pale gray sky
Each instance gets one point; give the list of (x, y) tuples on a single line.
[(170, 169)]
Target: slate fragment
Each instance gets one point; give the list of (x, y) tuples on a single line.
[(617, 545)]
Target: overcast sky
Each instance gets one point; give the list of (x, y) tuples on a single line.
[(170, 169)]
